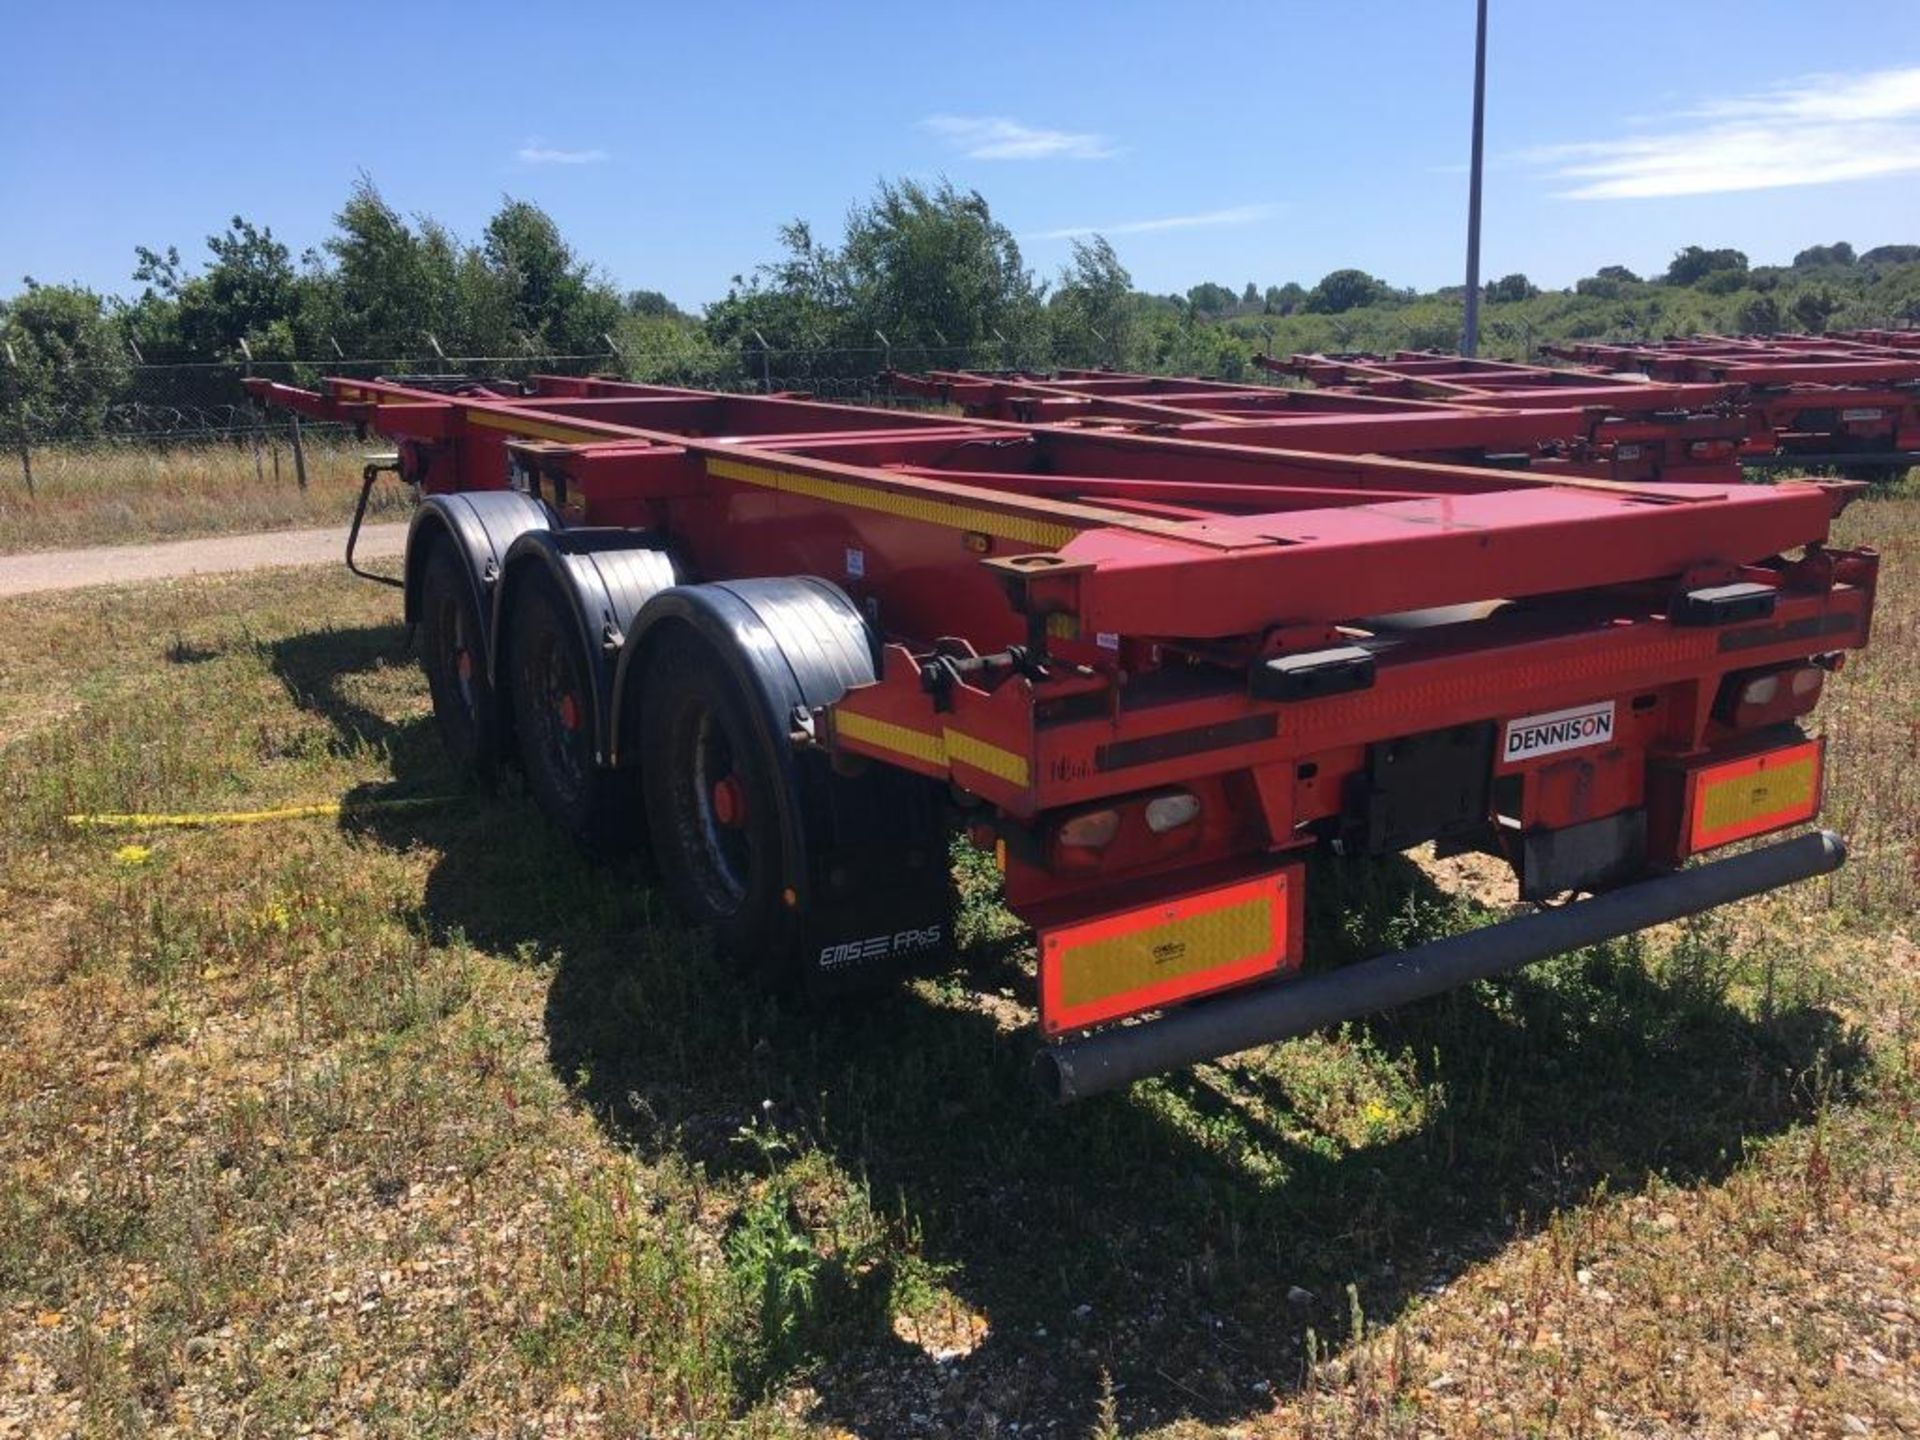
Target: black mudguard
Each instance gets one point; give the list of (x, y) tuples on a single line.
[(605, 576), (481, 525), (874, 898)]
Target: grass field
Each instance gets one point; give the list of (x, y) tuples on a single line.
[(413, 1122), (110, 494)]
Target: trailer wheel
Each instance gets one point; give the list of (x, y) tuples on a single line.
[(713, 804), (553, 721), (453, 655)]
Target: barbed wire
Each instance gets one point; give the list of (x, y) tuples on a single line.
[(166, 402), (170, 402)]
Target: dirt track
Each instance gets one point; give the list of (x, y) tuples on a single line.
[(121, 564)]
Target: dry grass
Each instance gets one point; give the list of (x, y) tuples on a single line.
[(110, 494), (418, 1124)]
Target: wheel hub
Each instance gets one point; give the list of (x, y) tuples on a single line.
[(730, 802), (568, 711)]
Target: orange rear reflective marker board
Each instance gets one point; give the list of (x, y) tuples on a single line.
[(1747, 797), (1152, 955)]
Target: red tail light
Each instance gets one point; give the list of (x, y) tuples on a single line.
[(1079, 839), (1752, 699)]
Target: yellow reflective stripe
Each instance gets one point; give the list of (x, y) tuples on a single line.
[(943, 749), (1002, 764), (1042, 534), (538, 429), (901, 739)]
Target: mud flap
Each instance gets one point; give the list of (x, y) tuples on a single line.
[(861, 941), (1594, 855), (882, 891)]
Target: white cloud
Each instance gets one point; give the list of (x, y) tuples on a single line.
[(1811, 131), (536, 153), (994, 137), (1201, 220)]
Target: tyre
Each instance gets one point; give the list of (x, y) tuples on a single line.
[(453, 654), (553, 723), (714, 805)]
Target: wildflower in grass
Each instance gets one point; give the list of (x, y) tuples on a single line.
[(132, 855)]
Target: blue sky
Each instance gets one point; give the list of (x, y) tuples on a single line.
[(1265, 142)]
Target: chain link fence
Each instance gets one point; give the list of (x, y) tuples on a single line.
[(172, 406)]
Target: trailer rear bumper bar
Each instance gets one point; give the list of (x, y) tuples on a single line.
[(1208, 1030)]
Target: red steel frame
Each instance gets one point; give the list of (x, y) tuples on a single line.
[(1826, 395), (1802, 395), (1616, 431), (1102, 589), (1664, 410)]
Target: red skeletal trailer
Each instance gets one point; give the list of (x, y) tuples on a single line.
[(1150, 642), (1851, 399), (1617, 431)]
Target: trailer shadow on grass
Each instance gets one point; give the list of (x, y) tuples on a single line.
[(1180, 1237)]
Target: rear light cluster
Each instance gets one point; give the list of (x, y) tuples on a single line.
[(1080, 840), (1752, 699), (1711, 449), (1092, 831), (1170, 812)]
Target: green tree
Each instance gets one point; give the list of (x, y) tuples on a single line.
[(1207, 298), (1694, 264), (673, 350), (70, 362), (800, 302), (249, 291), (557, 304), (928, 267), (1609, 282), (1512, 288), (1285, 299), (390, 286), (1345, 290), (1838, 253), (1760, 316), (1092, 310), (652, 303), (1812, 309), (921, 261)]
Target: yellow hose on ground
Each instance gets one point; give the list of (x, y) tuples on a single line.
[(195, 819)]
